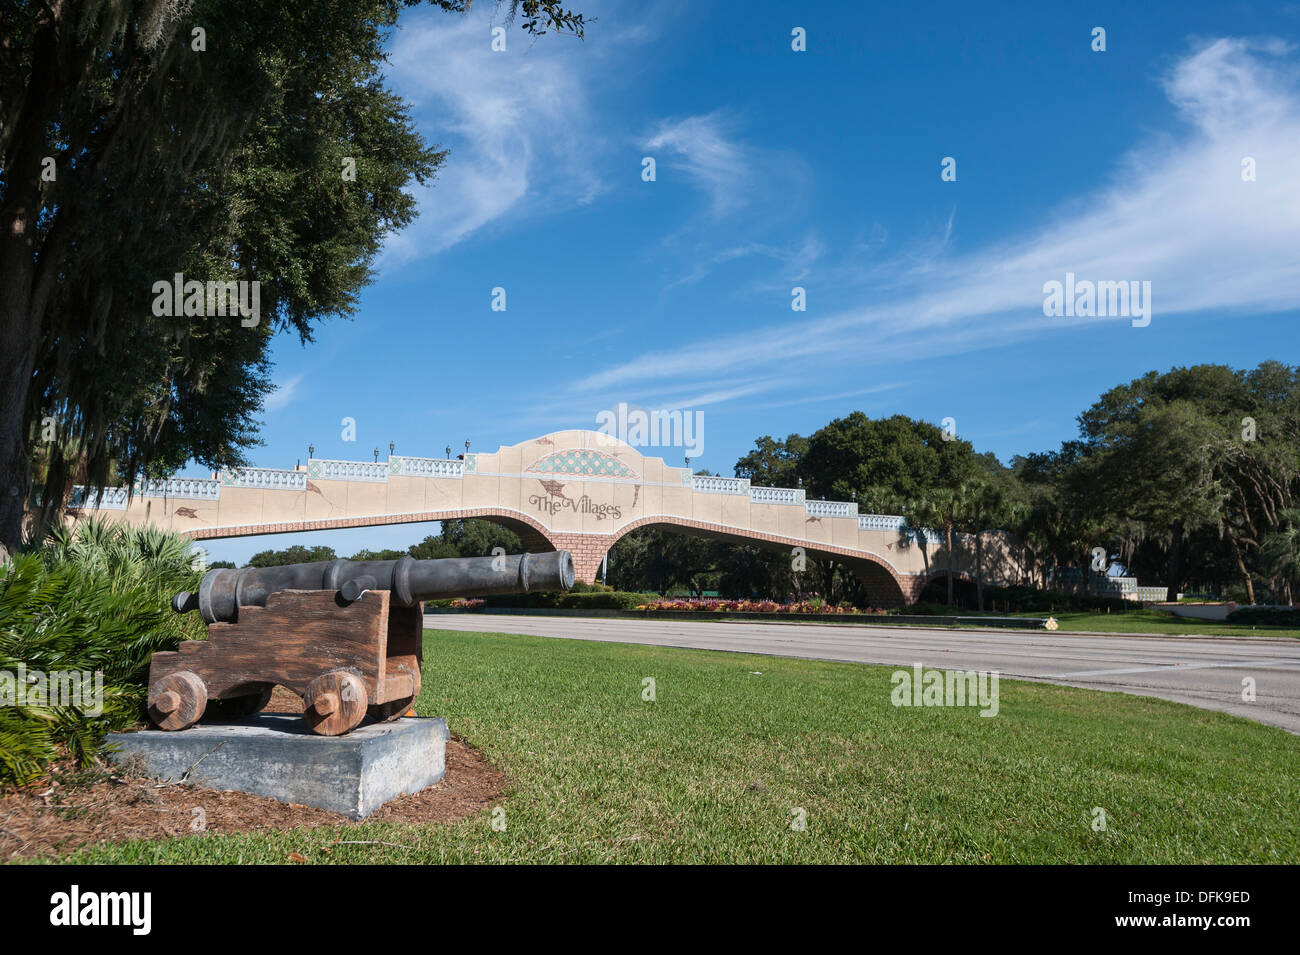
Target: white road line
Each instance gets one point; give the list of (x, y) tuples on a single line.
[(1234, 664)]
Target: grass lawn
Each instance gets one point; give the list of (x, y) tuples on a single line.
[(713, 769), (1156, 621)]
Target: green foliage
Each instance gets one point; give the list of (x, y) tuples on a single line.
[(226, 163), (1280, 553), (1190, 472), (1032, 600), (773, 463), (574, 600), (1265, 616), (387, 554), (297, 554), (475, 538), (95, 599), (884, 464), (433, 548)]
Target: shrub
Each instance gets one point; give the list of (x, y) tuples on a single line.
[(716, 605), (1265, 616), (1030, 600), (93, 600), (929, 609), (574, 600)]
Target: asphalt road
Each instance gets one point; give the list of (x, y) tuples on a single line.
[(1202, 671)]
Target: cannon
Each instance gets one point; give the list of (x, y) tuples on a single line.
[(344, 635)]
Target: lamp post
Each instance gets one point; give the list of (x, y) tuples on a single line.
[(449, 452), (376, 455), (311, 449), (392, 446)]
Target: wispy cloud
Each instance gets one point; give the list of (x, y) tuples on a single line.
[(506, 116), (1176, 213), (284, 393), (794, 261), (704, 148)]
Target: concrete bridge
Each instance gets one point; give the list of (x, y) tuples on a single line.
[(570, 490)]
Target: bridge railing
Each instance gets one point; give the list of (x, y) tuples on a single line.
[(194, 489), (85, 498), (713, 484), (327, 470), (881, 522), (267, 479), (776, 495), (426, 467), (831, 508)]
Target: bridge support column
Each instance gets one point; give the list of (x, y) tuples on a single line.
[(912, 586), (588, 551), (888, 590)]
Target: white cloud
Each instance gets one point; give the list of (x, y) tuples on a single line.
[(519, 123), (1176, 213), (284, 393), (795, 261), (703, 148)]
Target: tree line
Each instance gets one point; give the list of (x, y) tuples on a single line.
[(1187, 477)]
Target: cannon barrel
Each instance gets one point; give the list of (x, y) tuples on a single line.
[(223, 591)]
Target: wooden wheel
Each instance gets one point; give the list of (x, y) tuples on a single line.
[(336, 703), (177, 700), (237, 707), (395, 709)]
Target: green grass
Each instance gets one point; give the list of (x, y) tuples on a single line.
[(712, 770), (1156, 621)]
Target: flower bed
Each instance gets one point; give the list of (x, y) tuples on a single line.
[(713, 605)]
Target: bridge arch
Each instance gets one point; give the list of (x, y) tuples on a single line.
[(886, 586)]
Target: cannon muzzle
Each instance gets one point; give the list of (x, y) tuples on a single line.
[(223, 591)]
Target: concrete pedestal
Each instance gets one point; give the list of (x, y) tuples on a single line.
[(276, 755)]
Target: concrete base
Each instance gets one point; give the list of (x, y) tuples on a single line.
[(276, 755)]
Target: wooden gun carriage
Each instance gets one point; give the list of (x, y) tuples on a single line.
[(344, 635)]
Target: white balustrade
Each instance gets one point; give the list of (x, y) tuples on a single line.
[(831, 508), (713, 484), (86, 498), (426, 467), (776, 495), (881, 522), (194, 489), (267, 479), (349, 470)]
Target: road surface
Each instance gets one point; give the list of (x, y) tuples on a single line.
[(1203, 671)]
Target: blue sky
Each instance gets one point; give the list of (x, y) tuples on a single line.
[(818, 169)]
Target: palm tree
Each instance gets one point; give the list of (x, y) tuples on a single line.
[(986, 504), (1280, 553), (946, 507)]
